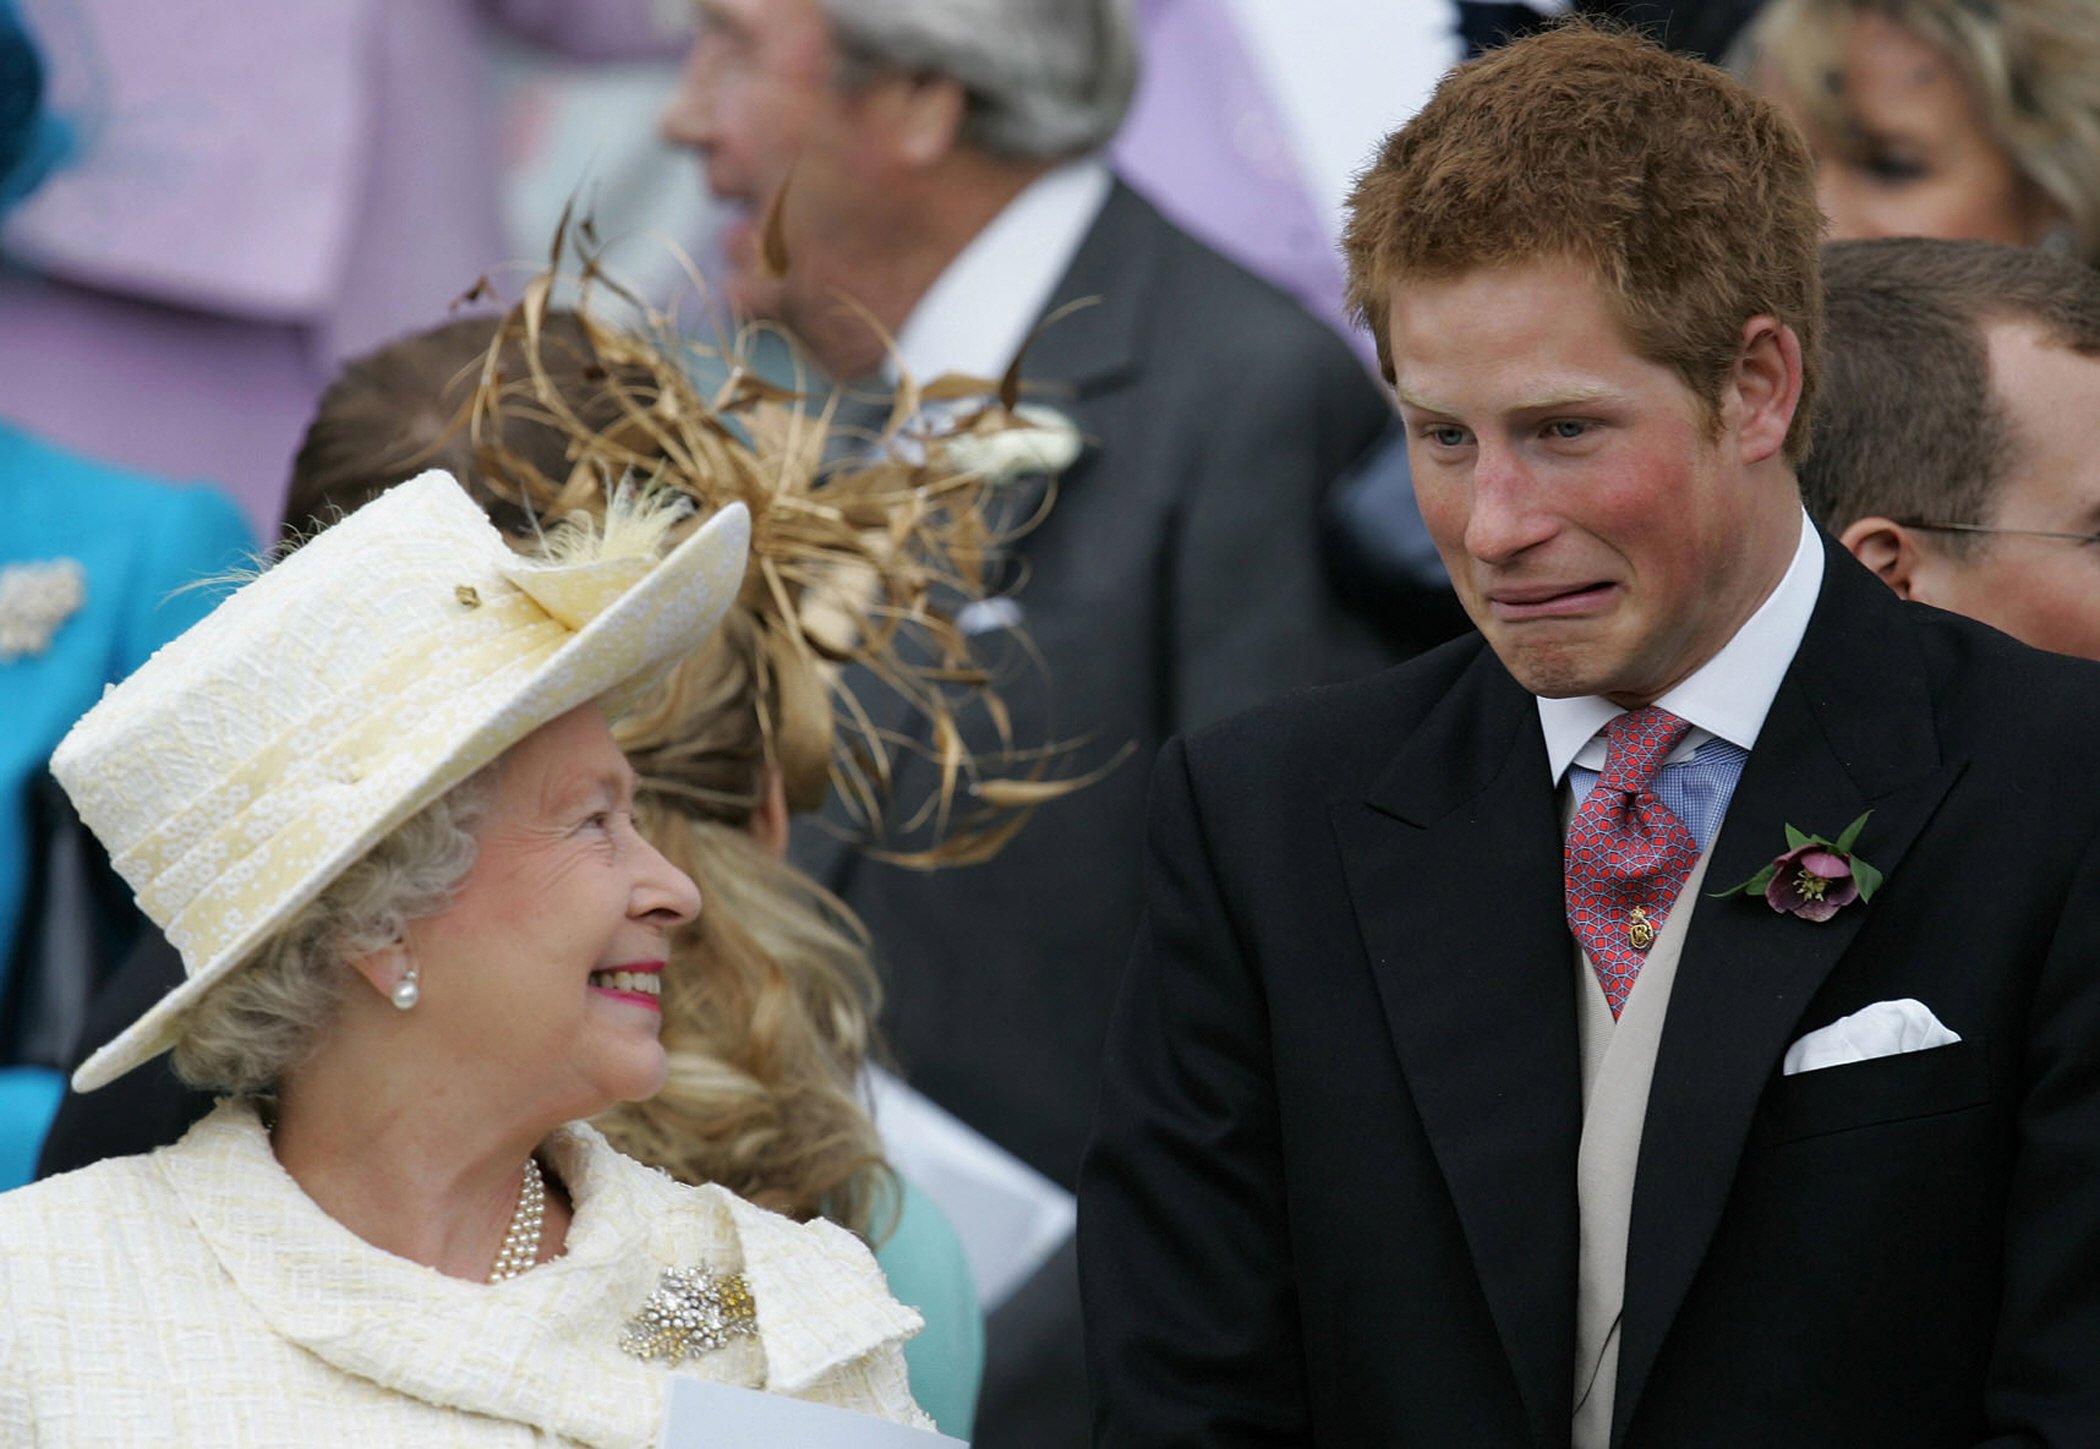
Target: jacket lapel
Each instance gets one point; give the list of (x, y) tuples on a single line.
[(1085, 343), (1851, 729), (1068, 364), (1478, 994), (542, 1349), (1093, 346)]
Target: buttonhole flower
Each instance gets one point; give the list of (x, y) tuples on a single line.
[(1037, 440), (1815, 877)]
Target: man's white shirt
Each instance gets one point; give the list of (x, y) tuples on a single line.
[(1726, 697), (979, 311)]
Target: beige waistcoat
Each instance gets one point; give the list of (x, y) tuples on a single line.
[(1618, 1059)]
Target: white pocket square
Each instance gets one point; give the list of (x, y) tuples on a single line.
[(1882, 1030)]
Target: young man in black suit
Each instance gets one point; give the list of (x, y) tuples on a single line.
[(1452, 1098)]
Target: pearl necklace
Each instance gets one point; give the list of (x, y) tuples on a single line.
[(521, 1245)]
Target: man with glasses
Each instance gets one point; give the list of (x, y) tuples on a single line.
[(1957, 453)]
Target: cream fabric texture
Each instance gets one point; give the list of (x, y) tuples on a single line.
[(1618, 1065), (248, 763), (196, 1296)]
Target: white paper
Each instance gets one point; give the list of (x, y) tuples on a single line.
[(1010, 1217), (701, 1415)]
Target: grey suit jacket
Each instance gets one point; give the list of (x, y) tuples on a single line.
[(1176, 580)]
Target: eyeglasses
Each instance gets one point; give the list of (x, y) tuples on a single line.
[(1985, 528)]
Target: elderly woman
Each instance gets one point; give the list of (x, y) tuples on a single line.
[(1944, 118), (375, 802)]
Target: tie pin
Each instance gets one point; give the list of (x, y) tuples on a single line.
[(1639, 933)]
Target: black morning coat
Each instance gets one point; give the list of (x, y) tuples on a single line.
[(1332, 1196)]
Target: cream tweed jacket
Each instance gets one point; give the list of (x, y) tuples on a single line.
[(195, 1296)]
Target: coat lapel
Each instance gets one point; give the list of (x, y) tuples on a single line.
[(1094, 345), (1068, 364), (1478, 993), (1086, 342), (1851, 729), (410, 1329), (542, 1349)]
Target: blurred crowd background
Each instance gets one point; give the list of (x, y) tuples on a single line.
[(252, 195)]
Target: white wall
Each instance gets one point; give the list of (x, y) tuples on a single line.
[(1345, 73)]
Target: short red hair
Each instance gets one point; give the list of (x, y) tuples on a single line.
[(1689, 198)]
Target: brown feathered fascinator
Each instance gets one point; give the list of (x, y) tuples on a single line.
[(864, 548)]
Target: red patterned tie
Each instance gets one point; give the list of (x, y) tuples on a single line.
[(1628, 854)]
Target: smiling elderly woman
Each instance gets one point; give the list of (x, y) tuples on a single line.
[(374, 800)]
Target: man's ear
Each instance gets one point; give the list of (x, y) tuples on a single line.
[(921, 114), (1765, 387), (1888, 548)]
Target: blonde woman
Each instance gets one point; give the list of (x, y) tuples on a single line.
[(1944, 118)]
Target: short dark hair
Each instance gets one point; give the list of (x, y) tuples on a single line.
[(1909, 427), (1689, 198), (402, 409)]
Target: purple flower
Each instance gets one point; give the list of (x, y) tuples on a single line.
[(1816, 878), (1812, 881)]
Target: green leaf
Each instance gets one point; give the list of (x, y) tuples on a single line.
[(1753, 886), (1795, 839), (1866, 878), (1850, 834)]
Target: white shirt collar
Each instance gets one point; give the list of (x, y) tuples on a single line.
[(1730, 694), (978, 312)]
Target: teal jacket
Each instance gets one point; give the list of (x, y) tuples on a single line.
[(924, 1261), (137, 543)]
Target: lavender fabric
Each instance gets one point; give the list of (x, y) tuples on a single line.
[(261, 190), (1206, 142)]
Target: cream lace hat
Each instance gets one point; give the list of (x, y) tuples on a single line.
[(251, 761)]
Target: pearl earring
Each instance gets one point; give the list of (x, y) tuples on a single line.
[(406, 992)]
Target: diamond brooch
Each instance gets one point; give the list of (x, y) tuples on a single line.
[(35, 598), (691, 1312)]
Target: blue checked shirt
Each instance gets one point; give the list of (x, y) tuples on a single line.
[(1697, 788)]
